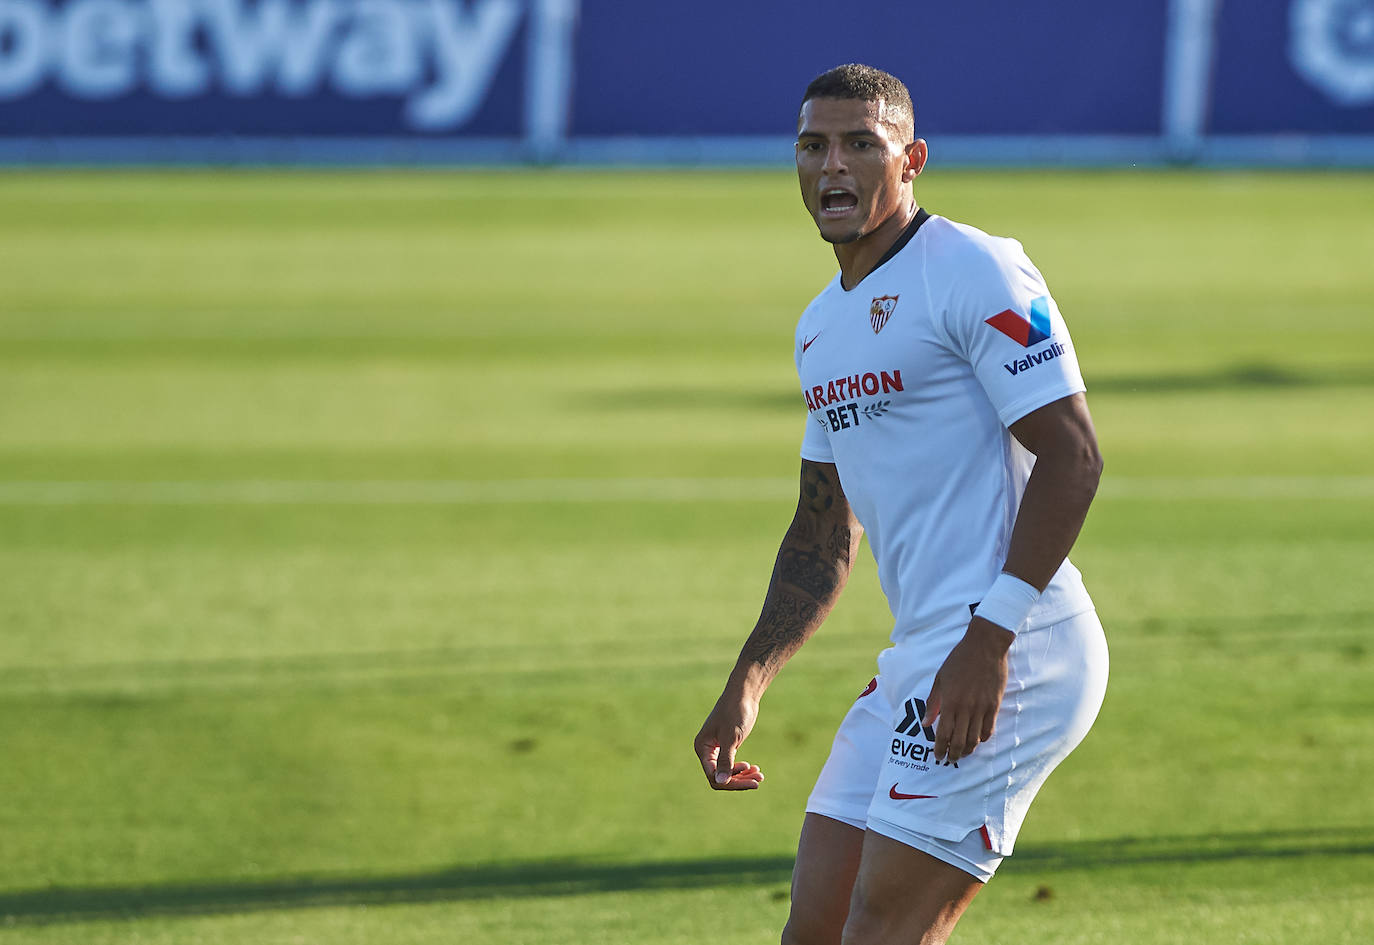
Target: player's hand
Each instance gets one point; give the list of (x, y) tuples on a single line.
[(729, 723), (968, 690)]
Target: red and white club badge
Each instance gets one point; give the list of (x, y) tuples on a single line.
[(881, 310)]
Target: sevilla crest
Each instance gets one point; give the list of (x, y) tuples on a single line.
[(881, 310)]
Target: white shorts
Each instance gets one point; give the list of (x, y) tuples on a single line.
[(881, 773)]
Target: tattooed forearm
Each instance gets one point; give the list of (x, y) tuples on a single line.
[(840, 545), (783, 626), (812, 567), (808, 569), (806, 582)]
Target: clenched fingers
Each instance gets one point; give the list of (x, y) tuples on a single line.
[(722, 772), (734, 776), (743, 777)]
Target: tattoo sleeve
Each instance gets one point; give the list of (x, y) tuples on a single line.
[(812, 567)]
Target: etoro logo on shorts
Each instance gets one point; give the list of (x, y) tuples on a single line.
[(910, 725), (915, 749)]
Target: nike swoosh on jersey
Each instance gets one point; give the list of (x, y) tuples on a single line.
[(897, 795), (807, 344)]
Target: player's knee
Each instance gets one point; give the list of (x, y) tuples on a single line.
[(809, 928), (885, 914), (867, 923), (873, 929)]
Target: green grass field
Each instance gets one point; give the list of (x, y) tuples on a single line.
[(374, 544)]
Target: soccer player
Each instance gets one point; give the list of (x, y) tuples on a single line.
[(947, 419)]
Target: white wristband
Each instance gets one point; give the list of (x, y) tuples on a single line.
[(1008, 602)]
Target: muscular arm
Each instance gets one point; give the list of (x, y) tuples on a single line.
[(1067, 469), (969, 686), (813, 564)]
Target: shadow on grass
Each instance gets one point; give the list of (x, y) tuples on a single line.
[(573, 877), (1237, 377), (1256, 376), (1134, 851)]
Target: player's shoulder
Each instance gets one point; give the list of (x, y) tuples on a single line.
[(967, 267), (817, 304), (959, 246)]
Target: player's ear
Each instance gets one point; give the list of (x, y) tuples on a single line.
[(916, 154)]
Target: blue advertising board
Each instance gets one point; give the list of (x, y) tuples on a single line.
[(350, 67), (277, 67), (1304, 66), (978, 67), (556, 78)]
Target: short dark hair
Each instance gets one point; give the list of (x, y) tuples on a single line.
[(866, 84)]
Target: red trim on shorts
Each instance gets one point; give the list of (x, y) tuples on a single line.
[(987, 840)]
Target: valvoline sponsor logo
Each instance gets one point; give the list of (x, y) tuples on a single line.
[(1032, 359), (1026, 333)]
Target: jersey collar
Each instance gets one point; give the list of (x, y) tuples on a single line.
[(921, 217), (897, 246)]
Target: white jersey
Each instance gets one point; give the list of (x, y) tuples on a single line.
[(911, 380)]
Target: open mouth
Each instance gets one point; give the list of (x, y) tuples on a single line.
[(837, 202)]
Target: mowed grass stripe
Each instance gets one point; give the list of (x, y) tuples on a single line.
[(1309, 635), (523, 879), (475, 492)]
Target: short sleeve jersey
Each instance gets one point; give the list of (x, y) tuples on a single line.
[(911, 380)]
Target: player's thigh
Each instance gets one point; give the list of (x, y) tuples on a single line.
[(822, 881), (903, 895)]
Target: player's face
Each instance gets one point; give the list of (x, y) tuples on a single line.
[(853, 168)]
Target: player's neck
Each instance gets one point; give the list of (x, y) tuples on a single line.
[(859, 258)]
